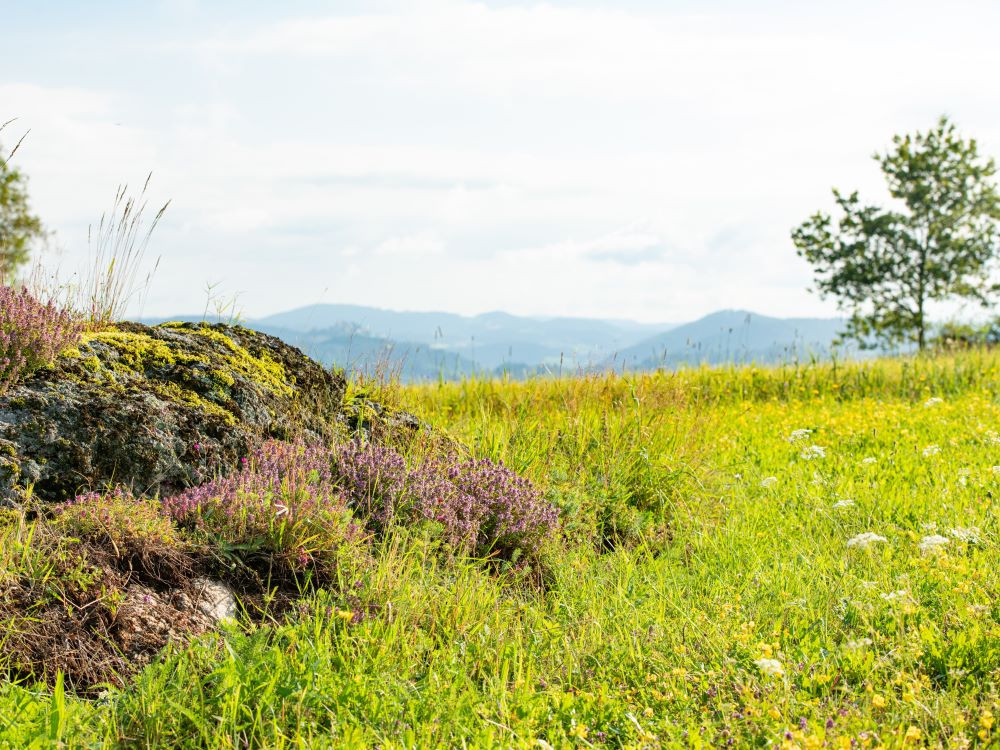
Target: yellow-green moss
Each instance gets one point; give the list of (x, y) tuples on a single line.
[(135, 351), (262, 369), (223, 378)]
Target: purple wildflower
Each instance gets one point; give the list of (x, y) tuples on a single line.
[(31, 334)]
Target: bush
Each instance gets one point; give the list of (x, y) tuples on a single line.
[(31, 334), (132, 530), (375, 481), (282, 512), (484, 508), (302, 505)]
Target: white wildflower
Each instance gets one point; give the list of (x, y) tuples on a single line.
[(768, 482), (770, 667), (995, 469), (993, 437), (813, 451), (933, 543), (931, 450), (970, 535), (869, 460), (894, 595), (865, 539), (844, 503), (798, 435), (933, 400), (858, 644)]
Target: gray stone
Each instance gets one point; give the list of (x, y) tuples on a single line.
[(158, 409)]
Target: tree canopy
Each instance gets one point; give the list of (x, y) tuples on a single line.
[(19, 227), (939, 242)]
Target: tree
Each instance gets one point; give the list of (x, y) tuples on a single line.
[(884, 266), (19, 227)]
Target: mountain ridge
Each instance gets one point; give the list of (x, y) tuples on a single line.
[(422, 345)]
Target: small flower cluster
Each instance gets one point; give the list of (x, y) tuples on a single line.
[(284, 501), (487, 509), (299, 500), (132, 529), (813, 451), (483, 507), (374, 480), (31, 334), (119, 517)]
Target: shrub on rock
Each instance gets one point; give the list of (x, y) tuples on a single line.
[(31, 334)]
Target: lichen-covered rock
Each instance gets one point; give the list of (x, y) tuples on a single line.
[(158, 409)]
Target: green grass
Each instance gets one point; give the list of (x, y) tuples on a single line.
[(683, 565)]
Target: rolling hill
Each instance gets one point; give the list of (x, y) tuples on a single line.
[(731, 336), (432, 345)]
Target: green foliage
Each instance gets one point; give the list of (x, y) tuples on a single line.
[(19, 226), (752, 621), (955, 335), (885, 265)]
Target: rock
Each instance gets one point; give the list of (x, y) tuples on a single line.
[(216, 600), (158, 409)]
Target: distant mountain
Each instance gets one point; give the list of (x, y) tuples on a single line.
[(492, 340), (731, 336), (432, 345), (349, 347)]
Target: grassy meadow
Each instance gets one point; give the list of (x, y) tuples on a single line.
[(803, 556)]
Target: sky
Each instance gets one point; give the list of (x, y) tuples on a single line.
[(641, 160)]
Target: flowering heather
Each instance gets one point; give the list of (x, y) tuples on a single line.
[(131, 529), (31, 334), (283, 502), (117, 516), (483, 507), (374, 481)]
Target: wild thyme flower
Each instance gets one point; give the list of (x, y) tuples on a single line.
[(284, 500), (31, 334)]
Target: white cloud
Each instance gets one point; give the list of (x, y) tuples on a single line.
[(615, 161), (414, 246)]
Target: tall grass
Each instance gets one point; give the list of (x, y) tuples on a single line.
[(115, 275), (754, 621), (117, 251)]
